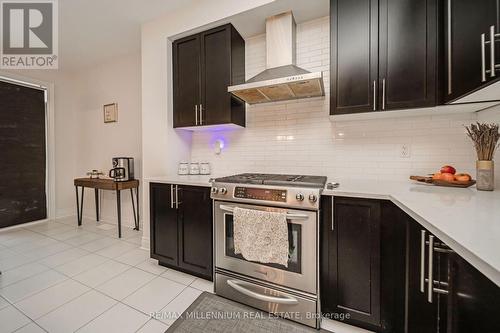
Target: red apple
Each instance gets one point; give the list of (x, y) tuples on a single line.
[(448, 169)]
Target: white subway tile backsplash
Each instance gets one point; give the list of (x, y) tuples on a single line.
[(298, 137)]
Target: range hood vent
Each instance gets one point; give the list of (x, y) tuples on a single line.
[(282, 80)]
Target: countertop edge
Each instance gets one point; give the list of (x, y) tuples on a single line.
[(489, 271), (482, 266), (197, 181)]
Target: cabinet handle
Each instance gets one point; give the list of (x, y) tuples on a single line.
[(492, 51), (176, 197), (430, 278), (333, 228), (196, 113), (383, 94), (171, 196), (450, 84), (483, 56), (201, 114), (422, 261), (374, 95)]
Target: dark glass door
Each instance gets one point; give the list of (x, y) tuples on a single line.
[(23, 155), (294, 248)]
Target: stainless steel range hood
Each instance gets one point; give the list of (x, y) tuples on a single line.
[(282, 80)]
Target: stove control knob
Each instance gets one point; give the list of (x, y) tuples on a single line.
[(223, 190), (312, 198), (215, 190), (299, 197)]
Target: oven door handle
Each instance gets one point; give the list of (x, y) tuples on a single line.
[(280, 300), (289, 216)]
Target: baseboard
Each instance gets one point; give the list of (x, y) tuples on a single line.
[(125, 222), (65, 212), (145, 244), (23, 225), (338, 327)]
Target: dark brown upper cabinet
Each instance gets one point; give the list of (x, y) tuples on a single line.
[(383, 55), (204, 65), (353, 56), (472, 60), (408, 54)]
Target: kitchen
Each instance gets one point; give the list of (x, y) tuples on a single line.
[(379, 238)]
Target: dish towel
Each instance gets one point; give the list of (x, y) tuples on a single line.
[(261, 236)]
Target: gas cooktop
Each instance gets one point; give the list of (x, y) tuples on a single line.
[(275, 180)]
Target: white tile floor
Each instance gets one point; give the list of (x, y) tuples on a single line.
[(57, 277)]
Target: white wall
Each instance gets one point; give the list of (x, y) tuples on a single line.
[(298, 137), (118, 81), (162, 146), (82, 141)]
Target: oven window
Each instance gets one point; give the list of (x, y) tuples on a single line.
[(294, 249)]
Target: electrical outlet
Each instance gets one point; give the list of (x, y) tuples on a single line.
[(405, 151)]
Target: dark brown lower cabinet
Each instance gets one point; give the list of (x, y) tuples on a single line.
[(362, 263), (181, 228), (473, 300), (383, 271), (426, 307)]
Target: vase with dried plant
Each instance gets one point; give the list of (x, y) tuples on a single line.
[(485, 138)]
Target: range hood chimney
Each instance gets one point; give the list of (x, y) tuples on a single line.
[(282, 80)]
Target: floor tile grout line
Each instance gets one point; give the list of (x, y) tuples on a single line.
[(71, 300), (117, 302), (30, 263), (70, 277), (91, 320), (24, 314), (137, 246), (54, 269), (37, 292)]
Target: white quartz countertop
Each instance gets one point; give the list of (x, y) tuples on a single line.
[(193, 180), (466, 219)]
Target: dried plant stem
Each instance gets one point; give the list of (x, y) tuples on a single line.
[(485, 138)]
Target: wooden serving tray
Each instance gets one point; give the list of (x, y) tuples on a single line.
[(440, 182)]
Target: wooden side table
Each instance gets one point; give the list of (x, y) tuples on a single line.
[(109, 185)]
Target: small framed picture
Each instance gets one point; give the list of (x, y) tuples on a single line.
[(111, 113)]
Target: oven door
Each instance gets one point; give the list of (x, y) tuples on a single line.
[(301, 273)]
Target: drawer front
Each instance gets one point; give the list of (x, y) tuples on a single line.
[(266, 298)]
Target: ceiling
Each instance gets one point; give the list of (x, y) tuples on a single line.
[(94, 31), (253, 22)]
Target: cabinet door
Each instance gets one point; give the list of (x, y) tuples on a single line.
[(195, 230), (163, 224), (354, 261), (216, 75), (186, 80), (466, 21), (474, 300), (424, 314), (353, 56), (408, 53)]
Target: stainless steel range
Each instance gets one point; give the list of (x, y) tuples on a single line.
[(293, 291)]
